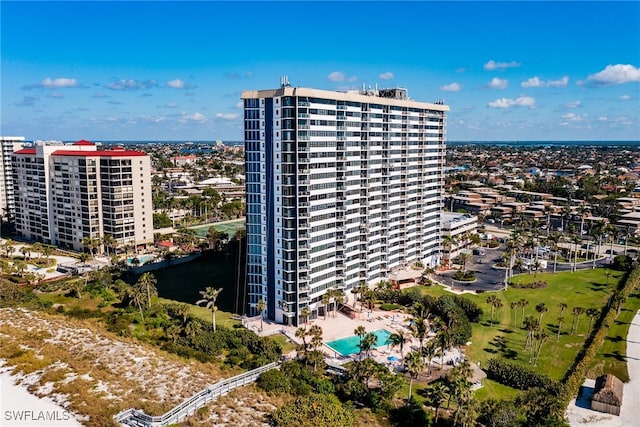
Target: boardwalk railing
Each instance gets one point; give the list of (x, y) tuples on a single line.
[(135, 417)]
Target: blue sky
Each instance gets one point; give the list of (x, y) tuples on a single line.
[(119, 70)]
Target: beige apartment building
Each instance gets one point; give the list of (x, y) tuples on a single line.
[(66, 192)]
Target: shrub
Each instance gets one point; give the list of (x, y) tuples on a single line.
[(315, 410), (470, 308), (274, 381), (622, 263), (515, 375), (389, 307)]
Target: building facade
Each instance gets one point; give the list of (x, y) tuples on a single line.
[(458, 228), (342, 189), (65, 193), (8, 144)]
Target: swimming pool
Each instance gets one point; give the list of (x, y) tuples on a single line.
[(144, 259), (348, 346)]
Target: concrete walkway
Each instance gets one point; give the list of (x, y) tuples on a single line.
[(580, 415)]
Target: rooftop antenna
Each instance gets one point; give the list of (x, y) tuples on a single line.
[(284, 81)]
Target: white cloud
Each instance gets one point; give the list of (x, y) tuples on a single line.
[(339, 76), (532, 82), (461, 70), (562, 82), (451, 87), (386, 76), (336, 76), (574, 117), (625, 97), (227, 116), (49, 83), (536, 82), (573, 104), (59, 82), (493, 65), (497, 83), (522, 101), (240, 104), (131, 84), (176, 84), (616, 74)]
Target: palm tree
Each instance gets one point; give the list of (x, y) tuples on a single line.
[(554, 239), (437, 394), (577, 312), (368, 343), (360, 332), (414, 365), (523, 303), (302, 334), (541, 309), (90, 243), (560, 321), (109, 242), (137, 297), (148, 283), (261, 307), (305, 313), (428, 352), (562, 306), (514, 308), (338, 298), (209, 297), (326, 300), (591, 313), (541, 337), (493, 301), (398, 339), (532, 325), (465, 257), (47, 251), (448, 242)]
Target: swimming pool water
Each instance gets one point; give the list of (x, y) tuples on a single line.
[(143, 259), (348, 346)]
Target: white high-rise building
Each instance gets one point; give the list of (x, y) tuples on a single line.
[(8, 144), (342, 188), (64, 193)]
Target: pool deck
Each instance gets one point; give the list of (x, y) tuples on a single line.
[(341, 326)]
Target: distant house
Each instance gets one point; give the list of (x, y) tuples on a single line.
[(607, 395)]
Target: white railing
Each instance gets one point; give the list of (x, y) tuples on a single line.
[(137, 418)]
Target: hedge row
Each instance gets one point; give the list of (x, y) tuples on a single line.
[(578, 371), (515, 375)]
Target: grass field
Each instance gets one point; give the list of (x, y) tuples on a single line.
[(229, 227), (585, 288), (183, 282)]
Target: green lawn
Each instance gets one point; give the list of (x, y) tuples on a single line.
[(610, 357), (229, 227), (183, 282), (585, 288), (223, 318)]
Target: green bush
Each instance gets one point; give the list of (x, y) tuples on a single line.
[(315, 410), (390, 307), (515, 375), (274, 381)]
